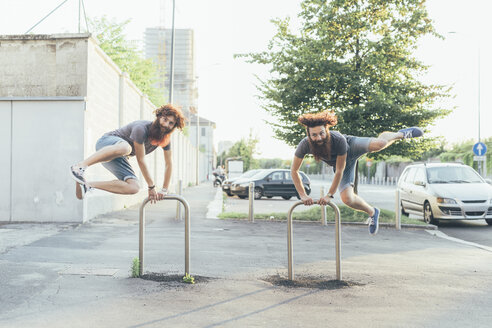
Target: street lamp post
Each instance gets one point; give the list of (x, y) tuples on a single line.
[(479, 164), (171, 72)]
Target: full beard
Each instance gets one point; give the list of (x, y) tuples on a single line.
[(157, 132), (320, 150)]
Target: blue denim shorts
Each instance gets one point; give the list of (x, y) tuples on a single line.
[(119, 166), (358, 146)]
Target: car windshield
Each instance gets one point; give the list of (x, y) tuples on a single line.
[(249, 174), (261, 174), (453, 174)]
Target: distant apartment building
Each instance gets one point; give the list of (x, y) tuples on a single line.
[(157, 45)]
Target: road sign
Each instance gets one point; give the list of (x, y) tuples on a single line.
[(479, 149), (479, 158)]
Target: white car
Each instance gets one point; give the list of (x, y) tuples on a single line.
[(445, 191)]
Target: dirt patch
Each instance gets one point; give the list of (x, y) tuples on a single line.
[(316, 282), (173, 279)]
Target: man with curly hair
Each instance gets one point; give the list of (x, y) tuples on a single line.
[(341, 152), (138, 138)]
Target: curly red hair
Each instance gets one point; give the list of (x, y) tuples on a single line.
[(170, 110), (324, 118)]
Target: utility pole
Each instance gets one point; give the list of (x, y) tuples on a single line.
[(171, 72)]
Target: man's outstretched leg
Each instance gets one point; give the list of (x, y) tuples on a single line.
[(112, 157), (386, 139), (354, 201)]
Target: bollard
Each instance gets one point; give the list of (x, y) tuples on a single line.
[(141, 239), (398, 210), (338, 238), (178, 204), (251, 215), (323, 207)]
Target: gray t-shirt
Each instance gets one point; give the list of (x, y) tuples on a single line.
[(339, 146), (137, 131)]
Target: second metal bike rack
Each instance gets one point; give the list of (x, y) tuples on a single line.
[(187, 231), (290, 248)]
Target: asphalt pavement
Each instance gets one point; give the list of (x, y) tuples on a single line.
[(64, 275)]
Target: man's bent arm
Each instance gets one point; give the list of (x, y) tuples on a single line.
[(296, 178), (340, 167), (140, 154), (168, 159)]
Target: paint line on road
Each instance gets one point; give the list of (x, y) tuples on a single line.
[(441, 234)]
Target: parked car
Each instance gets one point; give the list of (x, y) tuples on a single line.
[(445, 191), (270, 183), (226, 185)]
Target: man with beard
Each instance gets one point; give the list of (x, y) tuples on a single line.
[(138, 138), (341, 152)]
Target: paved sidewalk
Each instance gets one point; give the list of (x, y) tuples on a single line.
[(78, 275)]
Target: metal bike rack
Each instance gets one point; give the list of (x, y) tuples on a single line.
[(290, 248), (187, 231), (398, 210)]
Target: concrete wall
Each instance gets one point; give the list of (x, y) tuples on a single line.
[(5, 159), (41, 150), (59, 95), (43, 65)]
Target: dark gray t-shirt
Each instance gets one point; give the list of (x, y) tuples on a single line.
[(137, 131), (339, 146)]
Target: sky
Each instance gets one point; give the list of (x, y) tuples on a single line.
[(227, 86)]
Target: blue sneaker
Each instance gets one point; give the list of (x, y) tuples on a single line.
[(412, 132), (374, 222)]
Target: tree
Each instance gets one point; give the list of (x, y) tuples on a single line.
[(245, 149), (463, 152), (142, 72), (354, 57)]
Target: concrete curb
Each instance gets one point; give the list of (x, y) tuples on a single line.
[(384, 224)]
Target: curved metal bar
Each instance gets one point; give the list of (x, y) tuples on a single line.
[(142, 231), (290, 237)]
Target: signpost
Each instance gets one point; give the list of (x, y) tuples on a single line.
[(480, 149)]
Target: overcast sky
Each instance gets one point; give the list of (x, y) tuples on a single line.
[(227, 92)]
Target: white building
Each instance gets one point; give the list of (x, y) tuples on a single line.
[(205, 139)]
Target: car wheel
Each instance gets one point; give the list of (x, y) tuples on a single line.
[(286, 197), (489, 221), (269, 196), (229, 194), (242, 196), (428, 216), (403, 210), (258, 193)]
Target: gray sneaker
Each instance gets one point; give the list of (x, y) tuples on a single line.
[(373, 222), (413, 132), (77, 173)]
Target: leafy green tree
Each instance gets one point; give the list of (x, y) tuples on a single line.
[(355, 58), (143, 72), (272, 163), (245, 149), (463, 152)]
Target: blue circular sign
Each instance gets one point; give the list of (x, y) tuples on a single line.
[(479, 149)]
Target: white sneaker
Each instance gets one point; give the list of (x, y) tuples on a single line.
[(77, 173)]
